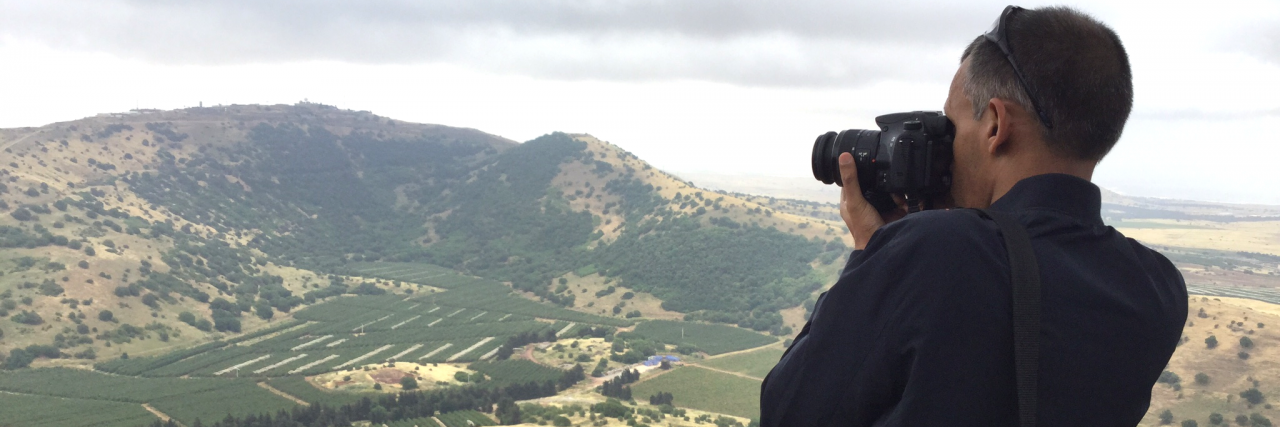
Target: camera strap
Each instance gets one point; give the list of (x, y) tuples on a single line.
[(1025, 277)]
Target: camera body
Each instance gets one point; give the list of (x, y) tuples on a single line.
[(909, 156)]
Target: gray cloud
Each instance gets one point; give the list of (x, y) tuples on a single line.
[(769, 43)]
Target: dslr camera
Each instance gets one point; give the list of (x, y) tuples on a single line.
[(909, 156)]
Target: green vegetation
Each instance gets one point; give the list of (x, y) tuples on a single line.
[(494, 296), (741, 276), (755, 363), (713, 339), (243, 397), (26, 410), (517, 371), (185, 399), (460, 419), (702, 389), (297, 386), (414, 422)]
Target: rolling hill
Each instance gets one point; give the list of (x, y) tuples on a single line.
[(113, 228)]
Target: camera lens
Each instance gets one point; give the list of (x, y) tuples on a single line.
[(822, 151), (828, 147)]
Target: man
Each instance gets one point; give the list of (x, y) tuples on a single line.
[(917, 331)]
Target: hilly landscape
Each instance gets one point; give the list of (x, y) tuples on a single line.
[(309, 265), (133, 241)]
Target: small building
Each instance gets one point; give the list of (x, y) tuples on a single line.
[(658, 359)]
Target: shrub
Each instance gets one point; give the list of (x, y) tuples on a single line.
[(21, 214), (1215, 418), (408, 382), (83, 264), (1242, 355), (28, 318), (1242, 420), (1211, 342), (1166, 417), (1246, 342), (1189, 423), (1257, 420), (461, 376), (88, 250), (1253, 396), (1202, 378), (105, 315)]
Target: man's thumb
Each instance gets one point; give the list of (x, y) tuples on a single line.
[(849, 174)]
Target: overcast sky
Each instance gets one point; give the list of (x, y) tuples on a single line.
[(719, 86)]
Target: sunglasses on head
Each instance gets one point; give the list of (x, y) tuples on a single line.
[(1000, 36)]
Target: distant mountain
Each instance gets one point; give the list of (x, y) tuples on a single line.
[(173, 226)]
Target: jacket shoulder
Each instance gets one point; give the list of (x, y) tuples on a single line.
[(935, 230)]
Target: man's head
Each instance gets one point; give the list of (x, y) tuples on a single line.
[(1078, 73)]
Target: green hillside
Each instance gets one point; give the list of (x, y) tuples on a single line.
[(147, 232)]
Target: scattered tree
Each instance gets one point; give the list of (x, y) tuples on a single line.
[(408, 382), (1253, 396), (1202, 378)]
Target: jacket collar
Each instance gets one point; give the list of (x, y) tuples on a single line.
[(1067, 194)]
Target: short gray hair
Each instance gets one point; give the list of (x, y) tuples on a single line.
[(1075, 65)]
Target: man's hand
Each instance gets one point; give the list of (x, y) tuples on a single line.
[(862, 219)]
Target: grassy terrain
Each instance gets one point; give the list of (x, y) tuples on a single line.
[(20, 410), (465, 419), (83, 391), (711, 338), (756, 363), (1227, 320), (697, 388), (242, 398), (1254, 236), (1158, 225), (299, 387)]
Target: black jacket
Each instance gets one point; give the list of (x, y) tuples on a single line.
[(918, 332)]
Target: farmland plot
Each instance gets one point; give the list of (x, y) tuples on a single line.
[(460, 419), (82, 384), (517, 371), (20, 410), (244, 397), (713, 339), (707, 390), (496, 297), (415, 422), (756, 363), (298, 386)]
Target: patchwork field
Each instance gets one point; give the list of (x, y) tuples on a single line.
[(755, 363), (22, 410), (712, 339), (704, 389), (347, 348)]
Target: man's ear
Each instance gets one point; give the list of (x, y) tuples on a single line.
[(997, 126)]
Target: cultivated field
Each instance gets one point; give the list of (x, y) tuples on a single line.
[(713, 339), (22, 410), (704, 389), (755, 363)]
